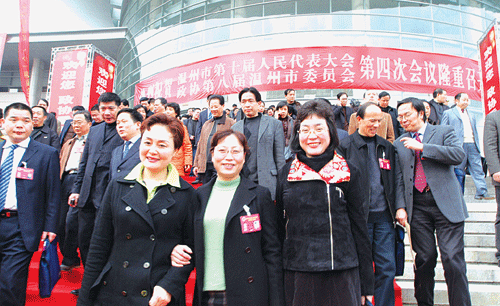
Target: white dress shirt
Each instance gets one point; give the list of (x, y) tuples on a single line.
[(11, 198)]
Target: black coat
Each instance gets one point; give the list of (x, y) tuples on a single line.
[(132, 242), (46, 136), (339, 115), (355, 151), (317, 239), (252, 262)]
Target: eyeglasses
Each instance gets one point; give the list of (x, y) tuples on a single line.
[(223, 152), (405, 116), (317, 130)]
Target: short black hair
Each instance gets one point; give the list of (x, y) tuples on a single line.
[(362, 109), (218, 97), (163, 101), (437, 91), (416, 103), (141, 106), (85, 114), (176, 108), (321, 109), (383, 94), (44, 100), (253, 90), (143, 99), (42, 108), (95, 107), (77, 108), (288, 91), (109, 97), (134, 114), (18, 106), (281, 104), (340, 94), (125, 102), (458, 96)]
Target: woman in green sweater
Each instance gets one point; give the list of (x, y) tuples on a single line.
[(237, 249)]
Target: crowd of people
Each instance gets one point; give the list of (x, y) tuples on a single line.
[(298, 204)]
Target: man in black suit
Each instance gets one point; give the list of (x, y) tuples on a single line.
[(29, 201), (125, 157), (93, 171), (342, 112), (50, 120), (433, 200), (438, 106), (67, 131), (41, 131)]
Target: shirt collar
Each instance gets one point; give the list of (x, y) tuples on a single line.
[(421, 131), (134, 139), (23, 144), (172, 176)]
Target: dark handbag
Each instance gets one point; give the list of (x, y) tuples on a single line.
[(50, 271), (400, 249)]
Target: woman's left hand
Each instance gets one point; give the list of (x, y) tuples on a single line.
[(160, 297), (365, 300)]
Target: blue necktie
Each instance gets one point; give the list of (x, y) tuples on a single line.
[(126, 148), (6, 171), (209, 114)]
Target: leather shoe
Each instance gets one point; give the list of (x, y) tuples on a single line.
[(196, 182), (70, 267), (75, 292), (484, 197)]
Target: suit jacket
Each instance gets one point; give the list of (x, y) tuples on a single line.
[(437, 110), (93, 171), (132, 242), (119, 167), (46, 136), (270, 150), (200, 160), (453, 117), (442, 151), (491, 142), (65, 153), (252, 262), (340, 118), (38, 200), (51, 121), (385, 130), (66, 132), (201, 121)]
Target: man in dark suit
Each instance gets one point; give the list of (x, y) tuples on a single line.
[(438, 106), (41, 132), (29, 201), (433, 201), (265, 138), (465, 127), (492, 154), (342, 112), (125, 157), (93, 171), (50, 120), (67, 131)]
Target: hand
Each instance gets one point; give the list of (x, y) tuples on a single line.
[(366, 299), (401, 216), (412, 144), (50, 235), (73, 199), (187, 168), (180, 255), (160, 297), (496, 177), (191, 137), (195, 171)]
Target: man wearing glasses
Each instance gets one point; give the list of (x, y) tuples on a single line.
[(433, 201)]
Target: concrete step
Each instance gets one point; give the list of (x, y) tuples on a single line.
[(476, 273), (473, 255), (481, 294)]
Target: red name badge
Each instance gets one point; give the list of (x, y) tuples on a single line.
[(24, 173), (79, 150), (250, 224), (384, 163)]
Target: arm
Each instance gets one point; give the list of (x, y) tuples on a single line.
[(279, 145), (82, 166), (280, 209), (449, 153), (54, 140), (445, 119), (399, 189), (52, 196), (188, 149), (490, 141)]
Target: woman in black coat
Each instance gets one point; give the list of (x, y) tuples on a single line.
[(237, 249), (326, 248), (142, 217)]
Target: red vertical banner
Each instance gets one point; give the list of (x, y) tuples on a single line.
[(103, 76), (24, 47), (3, 40), (489, 72)]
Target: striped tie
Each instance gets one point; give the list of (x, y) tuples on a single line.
[(5, 173), (420, 180)]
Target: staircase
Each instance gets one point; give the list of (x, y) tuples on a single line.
[(482, 267)]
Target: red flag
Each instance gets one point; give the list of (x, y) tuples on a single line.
[(24, 47)]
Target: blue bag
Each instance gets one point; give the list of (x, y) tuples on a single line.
[(50, 270), (400, 249)]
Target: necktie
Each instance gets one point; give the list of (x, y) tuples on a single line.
[(346, 120), (209, 114), (420, 180), (126, 148), (6, 171)]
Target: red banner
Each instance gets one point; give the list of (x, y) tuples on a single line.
[(490, 73), (3, 40), (316, 68), (103, 76), (24, 47), (67, 83)]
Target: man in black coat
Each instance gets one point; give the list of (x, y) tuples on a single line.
[(438, 106), (366, 150), (41, 132), (342, 112), (383, 101), (93, 172), (50, 120)]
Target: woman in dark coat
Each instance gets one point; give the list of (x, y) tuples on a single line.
[(326, 249), (142, 217), (237, 249)]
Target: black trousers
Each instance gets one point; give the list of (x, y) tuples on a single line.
[(68, 224), (427, 219), (86, 221)]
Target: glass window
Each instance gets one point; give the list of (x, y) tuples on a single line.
[(447, 31), (447, 47), (249, 8), (417, 10), (172, 14), (383, 40), (341, 21), (339, 6), (193, 13), (382, 4), (313, 7), (384, 23), (418, 43), (444, 14), (409, 25), (281, 8), (216, 6), (470, 51)]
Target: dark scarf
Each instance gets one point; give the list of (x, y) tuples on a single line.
[(316, 162)]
